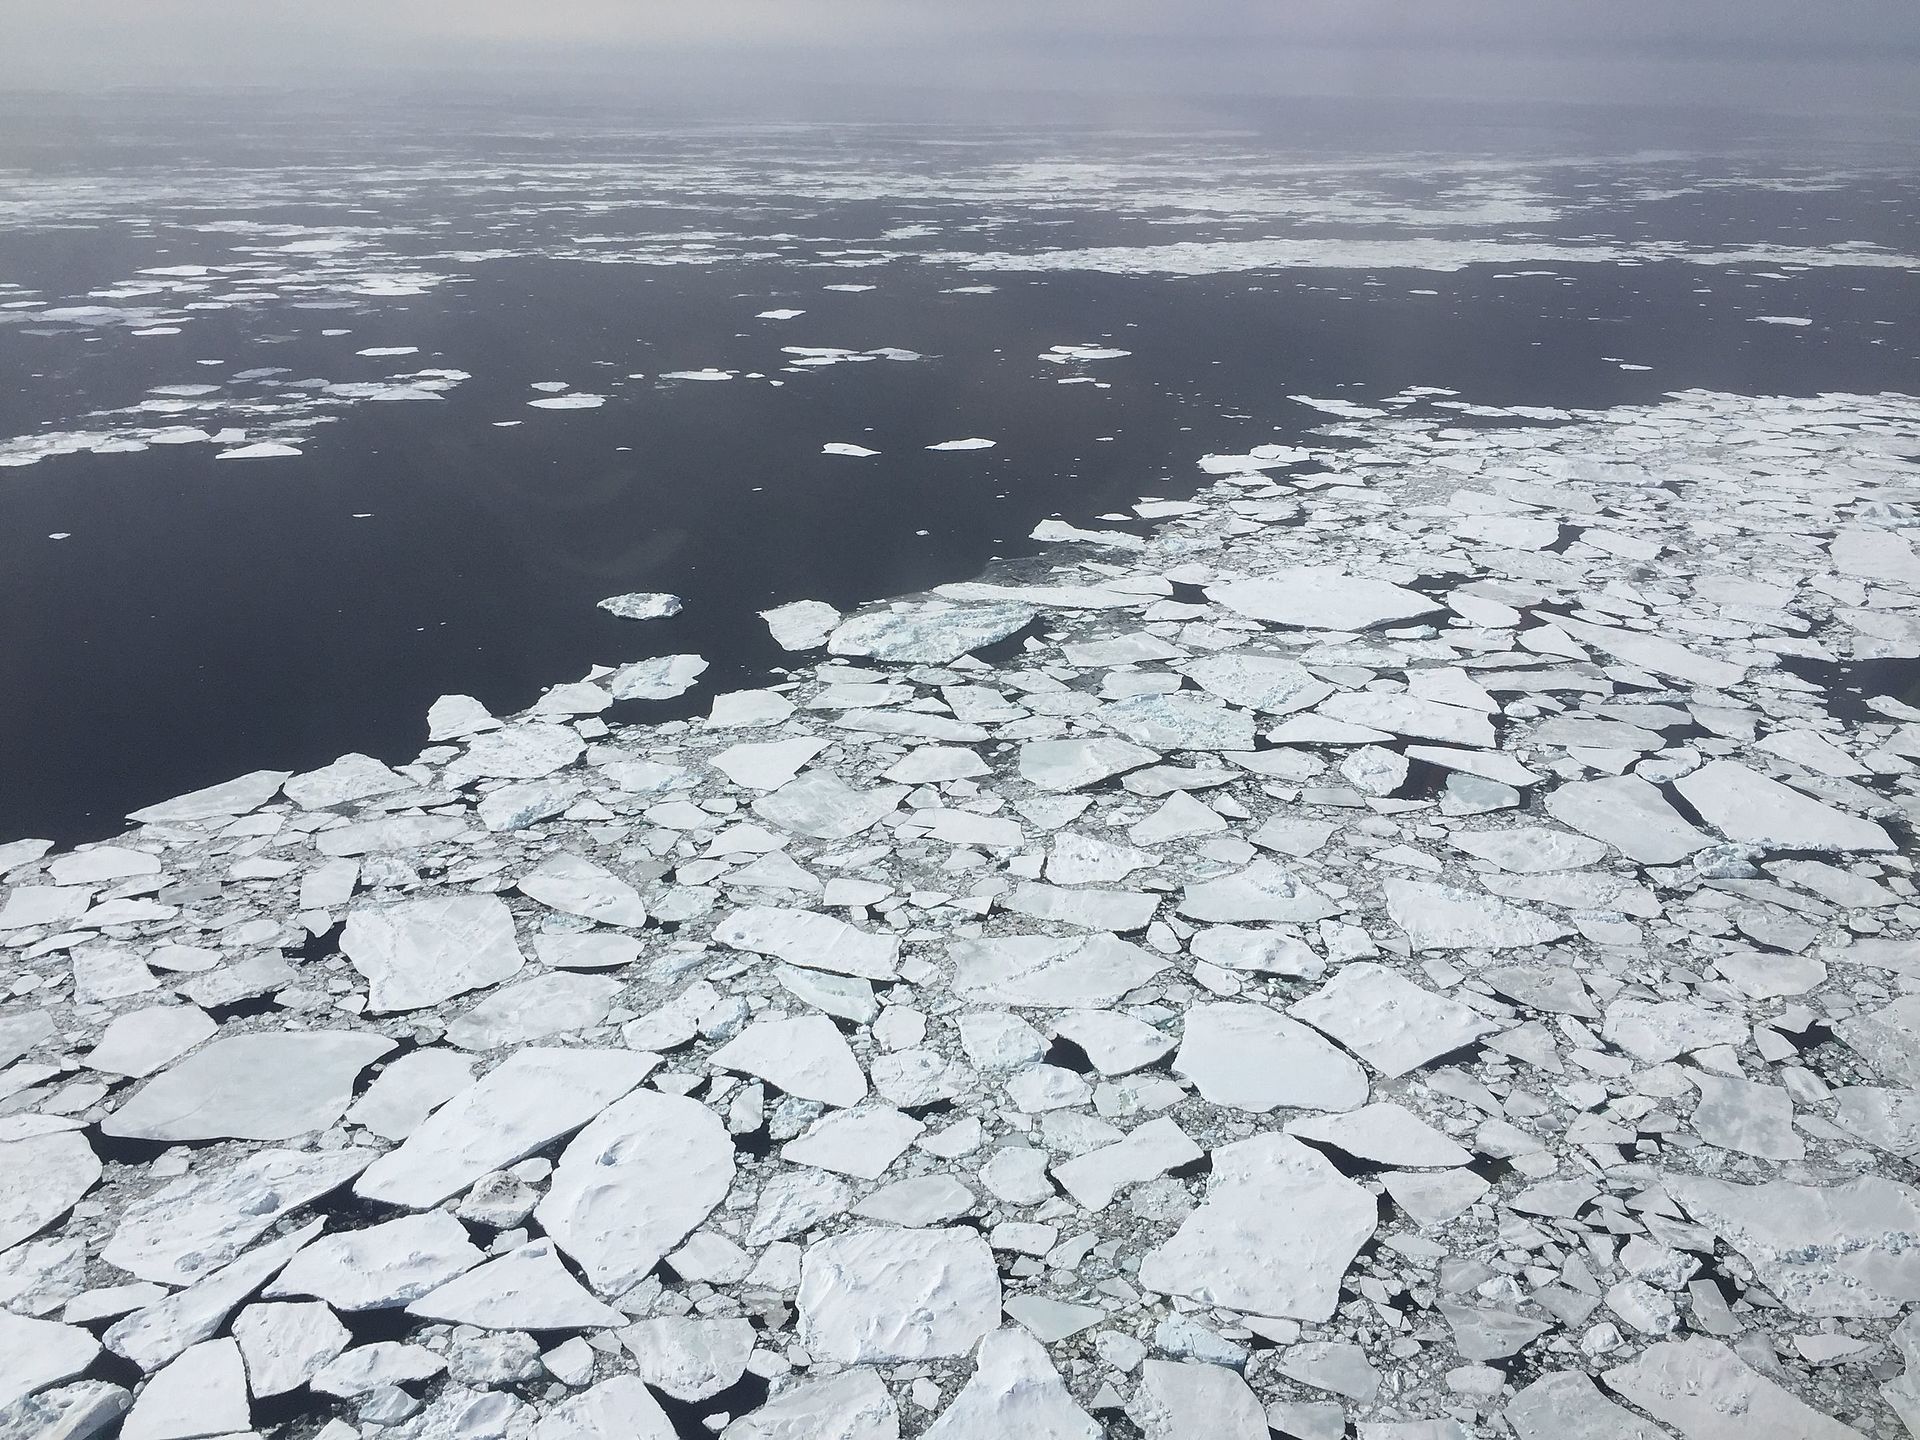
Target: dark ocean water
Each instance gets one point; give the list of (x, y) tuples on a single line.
[(209, 618)]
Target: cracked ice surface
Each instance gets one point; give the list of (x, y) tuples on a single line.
[(1485, 1005)]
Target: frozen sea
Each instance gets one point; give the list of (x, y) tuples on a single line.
[(302, 430)]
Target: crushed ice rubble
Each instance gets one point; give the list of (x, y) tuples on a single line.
[(1404, 948)]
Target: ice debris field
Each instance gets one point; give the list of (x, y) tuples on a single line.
[(1421, 947)]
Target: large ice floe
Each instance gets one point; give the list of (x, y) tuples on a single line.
[(1431, 953)]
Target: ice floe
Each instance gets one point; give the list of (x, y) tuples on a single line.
[(1416, 980)]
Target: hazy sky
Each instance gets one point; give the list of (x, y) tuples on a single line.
[(1813, 56)]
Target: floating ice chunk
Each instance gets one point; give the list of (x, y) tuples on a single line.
[(1875, 555), (1743, 1115), (1145, 1153), (41, 1178), (1248, 1057), (885, 1295), (636, 1182), (1261, 457), (139, 1042), (1440, 917), (1779, 320), (409, 1089), (690, 1359), (1835, 1250), (44, 905), (661, 678), (1061, 765), (529, 751), (1410, 715), (271, 1085), (1262, 891), (708, 373), (531, 1099), (1747, 807), (1065, 354), (779, 314), (515, 807), (261, 450), (578, 400), (192, 1226), (1180, 722), (417, 953), (1345, 408), (861, 1143), (232, 797), (817, 942), (532, 1009), (1628, 814), (1706, 1392), (920, 1202), (933, 764), (152, 1336), (748, 710), (766, 766), (1176, 1401), (99, 864), (351, 777), (1384, 1134), (1048, 973), (1530, 849), (1314, 598), (525, 1289), (1567, 1405), (806, 1056), (1656, 653), (1016, 1391), (454, 717), (1059, 532), (382, 1266), (203, 1392), (1258, 952), (1270, 683), (1115, 910), (1246, 1247), (842, 447), (395, 832), (1659, 1031), (383, 350), (1388, 1021), (852, 1405), (643, 605), (286, 1345), (929, 634), (802, 624), (576, 886), (822, 805), (972, 444)]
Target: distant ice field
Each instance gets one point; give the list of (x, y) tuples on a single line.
[(287, 452)]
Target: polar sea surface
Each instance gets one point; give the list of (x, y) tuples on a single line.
[(297, 442)]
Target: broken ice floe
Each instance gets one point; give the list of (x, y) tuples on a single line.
[(1429, 981)]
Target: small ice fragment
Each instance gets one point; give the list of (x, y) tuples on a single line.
[(643, 605)]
